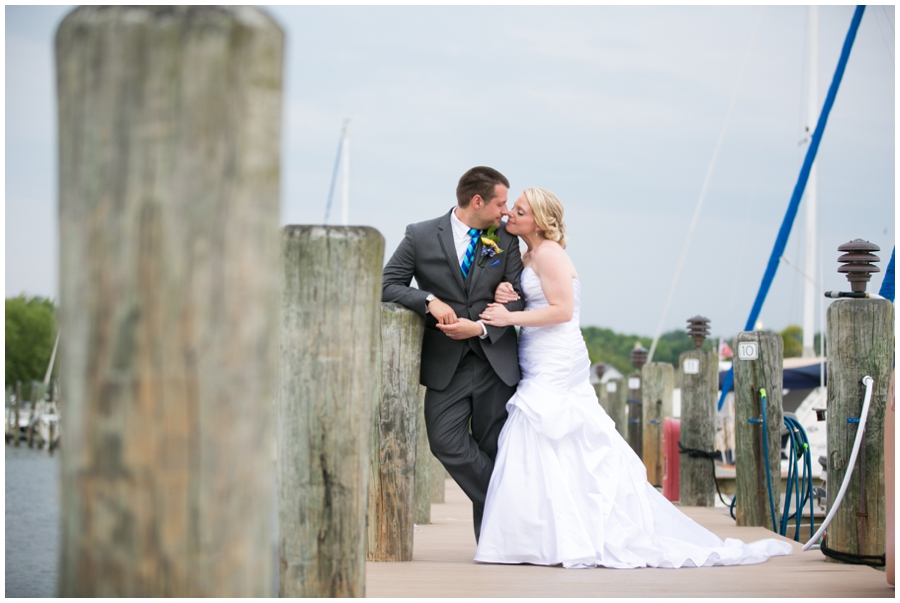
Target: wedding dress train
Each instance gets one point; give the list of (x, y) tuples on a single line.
[(567, 489)]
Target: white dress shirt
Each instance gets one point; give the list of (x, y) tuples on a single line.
[(461, 240), (461, 236)]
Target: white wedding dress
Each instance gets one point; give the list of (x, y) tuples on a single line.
[(567, 489)]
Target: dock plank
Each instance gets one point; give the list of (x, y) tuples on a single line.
[(442, 566)]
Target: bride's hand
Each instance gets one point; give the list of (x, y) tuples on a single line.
[(496, 315), (505, 293)]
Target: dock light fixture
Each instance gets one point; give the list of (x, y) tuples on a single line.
[(698, 329), (638, 356), (858, 263)]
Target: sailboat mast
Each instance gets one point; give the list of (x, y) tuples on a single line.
[(812, 115), (345, 188)]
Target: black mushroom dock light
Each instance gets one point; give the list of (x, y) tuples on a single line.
[(698, 329), (638, 356), (858, 263)]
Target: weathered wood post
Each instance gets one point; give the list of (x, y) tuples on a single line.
[(889, 492), (8, 407), (616, 394), (599, 387), (424, 471), (635, 401), (37, 396), (860, 343), (15, 417), (758, 365), (438, 480), (169, 122), (330, 384), (658, 380), (392, 484), (699, 383)]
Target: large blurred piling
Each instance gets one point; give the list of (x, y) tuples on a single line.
[(330, 384), (169, 123)]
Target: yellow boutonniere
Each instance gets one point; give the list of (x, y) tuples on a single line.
[(490, 245)]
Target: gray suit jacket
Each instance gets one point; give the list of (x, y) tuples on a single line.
[(428, 253)]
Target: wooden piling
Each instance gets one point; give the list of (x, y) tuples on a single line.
[(37, 396), (424, 471), (616, 395), (169, 122), (889, 482), (658, 379), (438, 481), (392, 487), (330, 384), (860, 342), (758, 364), (15, 417), (600, 388), (698, 426), (634, 410)]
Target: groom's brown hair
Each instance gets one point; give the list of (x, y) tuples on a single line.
[(479, 180)]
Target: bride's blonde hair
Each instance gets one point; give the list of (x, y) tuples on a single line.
[(548, 214)]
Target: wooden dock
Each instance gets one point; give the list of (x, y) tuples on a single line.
[(442, 566)]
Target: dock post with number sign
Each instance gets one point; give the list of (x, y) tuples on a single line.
[(699, 382), (757, 390)]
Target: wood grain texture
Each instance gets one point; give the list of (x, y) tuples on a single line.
[(697, 486), (424, 471), (617, 410), (634, 411), (169, 136), (658, 380), (860, 342), (890, 432), (752, 507), (438, 481), (330, 385), (392, 486)]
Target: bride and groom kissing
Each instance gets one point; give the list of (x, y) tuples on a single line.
[(513, 418)]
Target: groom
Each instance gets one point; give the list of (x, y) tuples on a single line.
[(469, 369)]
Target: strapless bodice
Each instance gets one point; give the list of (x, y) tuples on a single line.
[(555, 353), (535, 298)]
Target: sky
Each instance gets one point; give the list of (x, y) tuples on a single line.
[(617, 110)]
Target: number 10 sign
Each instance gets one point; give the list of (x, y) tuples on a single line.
[(748, 350)]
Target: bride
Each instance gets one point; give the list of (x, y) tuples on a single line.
[(566, 488)]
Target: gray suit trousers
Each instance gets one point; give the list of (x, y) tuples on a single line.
[(474, 391)]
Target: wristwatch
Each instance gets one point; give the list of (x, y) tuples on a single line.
[(428, 299)]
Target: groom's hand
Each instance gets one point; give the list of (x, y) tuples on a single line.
[(463, 329), (442, 312)]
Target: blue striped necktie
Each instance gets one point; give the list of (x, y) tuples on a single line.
[(470, 252)]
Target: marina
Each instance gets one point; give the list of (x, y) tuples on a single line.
[(258, 405)]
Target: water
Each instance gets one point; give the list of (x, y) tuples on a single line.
[(33, 528), (32, 522)]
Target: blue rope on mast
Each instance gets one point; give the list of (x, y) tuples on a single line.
[(788, 222)]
